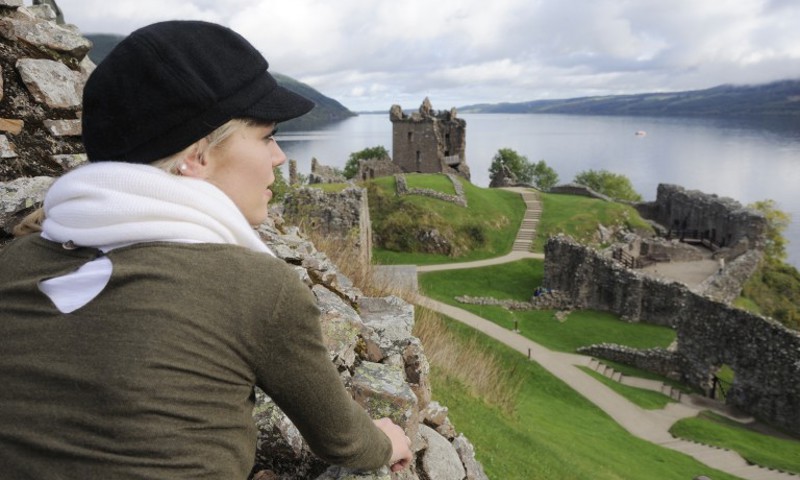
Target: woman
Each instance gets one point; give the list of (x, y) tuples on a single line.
[(135, 326)]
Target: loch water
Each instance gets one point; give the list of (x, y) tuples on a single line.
[(744, 160)]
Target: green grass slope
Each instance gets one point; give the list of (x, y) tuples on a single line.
[(554, 433), (486, 228)]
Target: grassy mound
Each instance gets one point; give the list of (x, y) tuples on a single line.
[(579, 217), (404, 226)]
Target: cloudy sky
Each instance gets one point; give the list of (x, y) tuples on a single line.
[(372, 54)]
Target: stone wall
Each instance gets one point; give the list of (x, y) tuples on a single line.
[(764, 354), (43, 67), (459, 198), (596, 282), (374, 168), (577, 189), (723, 221), (381, 363), (324, 174), (429, 142), (343, 215), (656, 360)]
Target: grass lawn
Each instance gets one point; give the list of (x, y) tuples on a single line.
[(579, 216), (554, 433), (496, 213), (517, 280), (512, 281), (439, 182), (330, 187), (646, 399), (763, 450)]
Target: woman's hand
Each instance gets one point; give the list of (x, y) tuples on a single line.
[(401, 444)]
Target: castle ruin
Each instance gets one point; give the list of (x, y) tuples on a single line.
[(429, 142)]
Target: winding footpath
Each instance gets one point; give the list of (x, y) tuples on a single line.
[(650, 425)]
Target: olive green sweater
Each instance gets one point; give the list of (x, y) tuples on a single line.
[(153, 379)]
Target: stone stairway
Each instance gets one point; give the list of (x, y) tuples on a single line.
[(533, 212), (645, 384)]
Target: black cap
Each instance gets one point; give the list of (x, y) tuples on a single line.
[(169, 84)]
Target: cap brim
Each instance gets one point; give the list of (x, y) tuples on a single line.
[(279, 105)]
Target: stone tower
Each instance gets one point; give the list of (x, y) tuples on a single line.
[(429, 142)]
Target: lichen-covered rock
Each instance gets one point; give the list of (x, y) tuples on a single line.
[(383, 391), (51, 82), (64, 128), (280, 448), (41, 33), (417, 370), (339, 473), (447, 430), (466, 452), (340, 327), (434, 414), (70, 161), (440, 460), (6, 149), (20, 195), (390, 320)]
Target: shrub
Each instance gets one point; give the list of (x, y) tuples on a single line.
[(351, 167)]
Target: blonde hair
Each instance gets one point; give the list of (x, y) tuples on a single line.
[(215, 139), (32, 223)]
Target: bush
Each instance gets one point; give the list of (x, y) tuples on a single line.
[(614, 185)]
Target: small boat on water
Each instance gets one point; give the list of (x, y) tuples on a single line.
[(640, 133)]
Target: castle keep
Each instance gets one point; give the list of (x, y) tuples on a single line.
[(429, 142)]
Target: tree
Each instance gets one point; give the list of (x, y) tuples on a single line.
[(777, 221), (280, 186), (613, 185), (351, 167), (544, 177), (512, 161)]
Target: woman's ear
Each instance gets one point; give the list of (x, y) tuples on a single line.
[(193, 162)]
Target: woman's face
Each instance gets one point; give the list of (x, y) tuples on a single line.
[(242, 167)]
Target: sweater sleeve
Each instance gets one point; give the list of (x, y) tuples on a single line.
[(294, 369)]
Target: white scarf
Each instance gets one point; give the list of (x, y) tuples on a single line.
[(111, 204)]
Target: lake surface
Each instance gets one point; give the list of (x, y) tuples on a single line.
[(743, 160)]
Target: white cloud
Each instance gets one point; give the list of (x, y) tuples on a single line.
[(369, 55)]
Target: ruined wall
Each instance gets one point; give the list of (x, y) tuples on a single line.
[(721, 220), (600, 283), (374, 168), (764, 354), (369, 339), (324, 174), (459, 198), (429, 142), (657, 360), (343, 215), (581, 190)]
